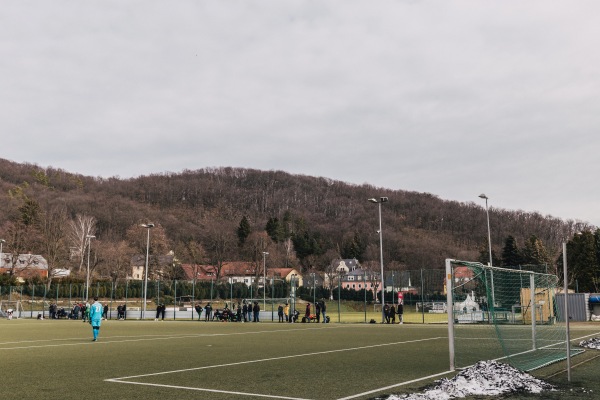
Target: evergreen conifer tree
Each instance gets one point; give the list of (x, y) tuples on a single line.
[(243, 231)]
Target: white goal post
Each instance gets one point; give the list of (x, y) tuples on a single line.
[(513, 311), (15, 305)]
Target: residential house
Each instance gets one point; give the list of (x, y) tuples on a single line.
[(314, 278), (353, 276), (26, 266), (199, 272), (286, 274), (240, 271), (158, 266), (462, 276)]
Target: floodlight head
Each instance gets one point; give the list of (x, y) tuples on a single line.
[(373, 200), (2, 241), (147, 225), (383, 199), (483, 196), (266, 253), (90, 237)]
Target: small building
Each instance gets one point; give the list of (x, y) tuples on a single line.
[(197, 272), (286, 274), (158, 266), (25, 266)]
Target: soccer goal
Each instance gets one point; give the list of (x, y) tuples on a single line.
[(500, 313), (14, 305)]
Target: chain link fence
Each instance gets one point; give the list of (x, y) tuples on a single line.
[(422, 290)]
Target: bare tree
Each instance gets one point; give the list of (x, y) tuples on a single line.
[(53, 238), (137, 237), (21, 234), (116, 260), (80, 228), (219, 242), (192, 252), (373, 272)]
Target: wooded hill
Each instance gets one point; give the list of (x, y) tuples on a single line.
[(213, 215)]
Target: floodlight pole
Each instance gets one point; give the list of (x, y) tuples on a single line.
[(87, 279), (2, 241), (314, 289), (265, 279), (487, 213), (381, 200), (148, 227), (566, 291), (293, 293)]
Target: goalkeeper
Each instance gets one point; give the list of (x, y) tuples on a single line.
[(96, 317)]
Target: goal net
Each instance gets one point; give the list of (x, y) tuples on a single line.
[(500, 313), (14, 305)]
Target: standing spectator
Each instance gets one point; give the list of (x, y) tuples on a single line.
[(256, 310), (158, 309), (307, 313), (323, 309), (105, 312), (95, 317), (286, 311), (386, 313), (393, 314), (250, 311), (198, 308), (245, 311), (238, 312), (400, 312), (75, 312), (83, 310), (119, 312), (280, 313), (207, 312), (163, 308), (86, 310), (318, 311)]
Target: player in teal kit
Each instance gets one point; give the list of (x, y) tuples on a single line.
[(96, 317)]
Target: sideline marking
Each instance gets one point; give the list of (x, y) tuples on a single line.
[(85, 341), (207, 390)]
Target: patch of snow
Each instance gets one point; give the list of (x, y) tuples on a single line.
[(486, 378), (593, 343)]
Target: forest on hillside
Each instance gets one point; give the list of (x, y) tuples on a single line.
[(214, 215)]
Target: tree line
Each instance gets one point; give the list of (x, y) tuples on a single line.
[(215, 215)]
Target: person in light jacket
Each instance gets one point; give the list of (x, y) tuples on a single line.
[(95, 317)]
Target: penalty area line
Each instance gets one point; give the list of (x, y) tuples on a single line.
[(207, 390), (395, 386), (273, 359)]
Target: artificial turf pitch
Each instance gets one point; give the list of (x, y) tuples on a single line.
[(56, 359)]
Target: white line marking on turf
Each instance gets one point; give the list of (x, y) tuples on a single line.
[(275, 358), (85, 341), (447, 372), (206, 390), (394, 386)]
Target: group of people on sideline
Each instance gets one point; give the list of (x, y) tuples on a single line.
[(246, 311), (285, 314), (390, 313)]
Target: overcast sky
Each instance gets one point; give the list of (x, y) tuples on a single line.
[(453, 98)]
